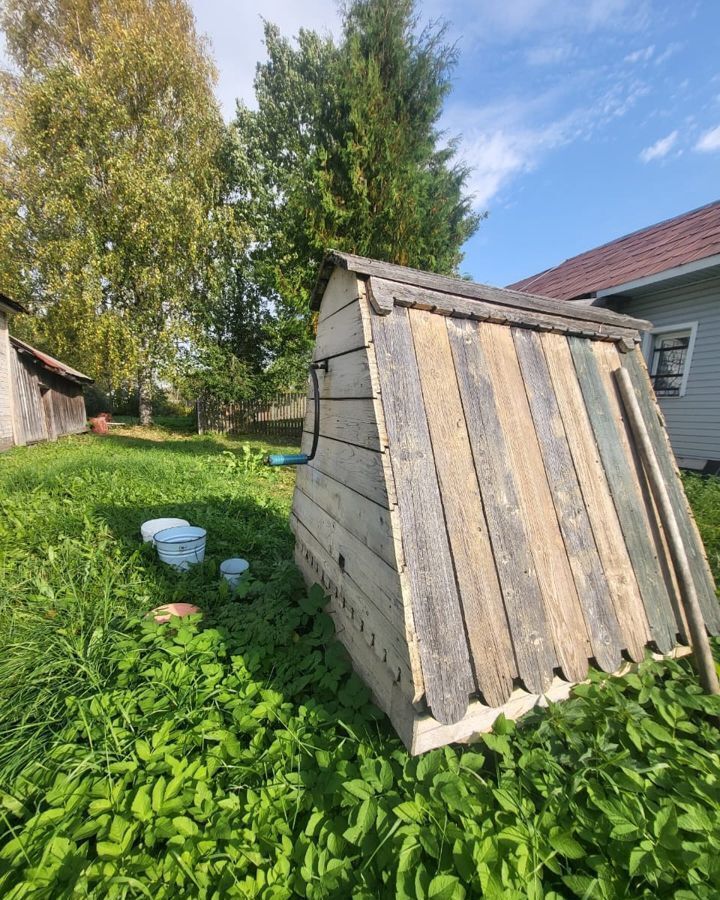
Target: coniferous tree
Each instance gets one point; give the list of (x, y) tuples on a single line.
[(350, 156)]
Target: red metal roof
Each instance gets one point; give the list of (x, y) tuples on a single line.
[(674, 242), (50, 363)]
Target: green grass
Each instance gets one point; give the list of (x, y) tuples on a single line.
[(237, 756)]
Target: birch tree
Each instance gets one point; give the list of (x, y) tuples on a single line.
[(114, 203)]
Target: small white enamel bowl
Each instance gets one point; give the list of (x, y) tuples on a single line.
[(234, 570)]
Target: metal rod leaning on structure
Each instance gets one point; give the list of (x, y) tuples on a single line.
[(688, 595)]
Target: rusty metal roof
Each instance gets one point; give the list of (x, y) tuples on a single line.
[(675, 242), (50, 363)]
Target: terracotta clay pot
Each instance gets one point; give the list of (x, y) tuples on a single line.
[(162, 614), (99, 425)]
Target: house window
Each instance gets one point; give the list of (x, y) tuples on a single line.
[(669, 356)]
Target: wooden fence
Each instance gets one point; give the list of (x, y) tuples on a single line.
[(281, 415)]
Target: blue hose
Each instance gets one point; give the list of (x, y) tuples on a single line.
[(302, 459), (288, 459)]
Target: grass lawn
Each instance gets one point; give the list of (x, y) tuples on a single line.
[(235, 755)]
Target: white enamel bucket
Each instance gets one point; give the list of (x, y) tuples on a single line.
[(181, 546), (149, 529)]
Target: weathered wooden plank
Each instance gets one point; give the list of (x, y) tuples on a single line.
[(351, 421), (371, 573), (358, 468), (354, 609), (364, 518), (480, 596), (427, 734), (28, 404), (702, 576), (339, 333), (626, 493), (462, 288), (348, 376), (435, 603), (609, 363), (592, 587), (390, 695), (342, 289), (601, 511), (527, 620), (557, 585), (368, 315), (695, 623), (393, 292)]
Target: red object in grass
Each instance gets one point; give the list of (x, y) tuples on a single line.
[(99, 425), (162, 614)]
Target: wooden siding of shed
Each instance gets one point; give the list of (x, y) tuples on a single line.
[(68, 405), (45, 406), (344, 504), (478, 513), (693, 420), (6, 397), (28, 408)]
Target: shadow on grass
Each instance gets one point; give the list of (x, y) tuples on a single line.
[(236, 526)]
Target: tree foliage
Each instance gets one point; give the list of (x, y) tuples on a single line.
[(347, 142), (116, 214)]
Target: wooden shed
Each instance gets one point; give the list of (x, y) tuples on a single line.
[(476, 508), (47, 395)]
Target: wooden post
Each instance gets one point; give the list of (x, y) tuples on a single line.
[(688, 595)]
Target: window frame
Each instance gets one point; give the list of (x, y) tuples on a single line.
[(648, 347)]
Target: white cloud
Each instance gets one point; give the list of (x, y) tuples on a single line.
[(641, 55), (510, 138), (235, 30), (489, 20), (660, 148), (505, 140), (549, 54), (669, 51), (710, 141)]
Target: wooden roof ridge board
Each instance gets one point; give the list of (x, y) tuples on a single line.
[(459, 288), (386, 294)]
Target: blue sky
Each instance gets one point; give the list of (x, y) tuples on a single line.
[(582, 119)]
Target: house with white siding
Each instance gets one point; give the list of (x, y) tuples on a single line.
[(669, 274)]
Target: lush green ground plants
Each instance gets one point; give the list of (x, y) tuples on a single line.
[(235, 754)]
